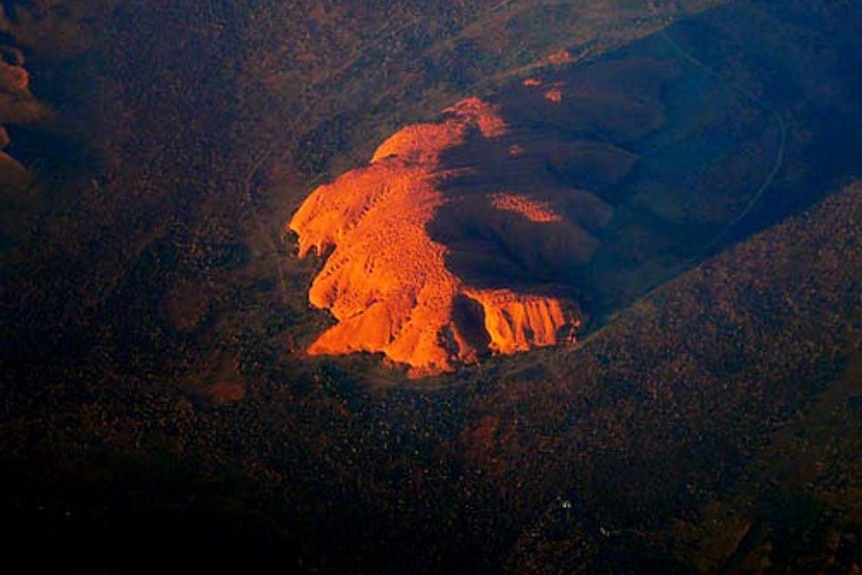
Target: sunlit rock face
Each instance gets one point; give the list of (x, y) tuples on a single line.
[(463, 237)]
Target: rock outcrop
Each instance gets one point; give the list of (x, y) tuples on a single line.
[(17, 106), (483, 231), (386, 279)]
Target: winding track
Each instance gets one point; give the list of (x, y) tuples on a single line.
[(777, 164)]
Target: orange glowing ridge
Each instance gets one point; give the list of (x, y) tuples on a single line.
[(533, 210)]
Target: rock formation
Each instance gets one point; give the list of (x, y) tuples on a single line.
[(17, 106), (386, 279)]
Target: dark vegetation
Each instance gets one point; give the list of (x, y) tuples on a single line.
[(154, 400)]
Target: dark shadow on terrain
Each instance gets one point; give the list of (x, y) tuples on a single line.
[(469, 317), (660, 154), (48, 151)]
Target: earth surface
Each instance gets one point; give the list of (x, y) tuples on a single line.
[(664, 214)]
